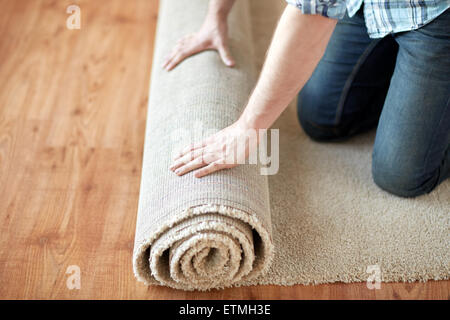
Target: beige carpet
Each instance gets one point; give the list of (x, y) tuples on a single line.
[(319, 219)]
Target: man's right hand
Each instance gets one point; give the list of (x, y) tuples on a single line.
[(213, 35)]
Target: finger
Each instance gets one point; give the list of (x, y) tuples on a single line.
[(184, 53), (225, 55), (170, 56), (186, 158), (176, 60), (210, 168), (204, 155), (176, 49), (191, 147), (186, 38), (167, 60), (194, 164)]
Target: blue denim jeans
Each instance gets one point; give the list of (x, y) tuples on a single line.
[(399, 84)]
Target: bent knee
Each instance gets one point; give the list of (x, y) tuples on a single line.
[(317, 125), (401, 180), (320, 133)]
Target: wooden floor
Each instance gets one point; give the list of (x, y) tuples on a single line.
[(72, 118)]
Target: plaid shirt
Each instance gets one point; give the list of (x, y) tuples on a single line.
[(382, 16)]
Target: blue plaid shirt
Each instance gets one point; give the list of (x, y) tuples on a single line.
[(382, 16)]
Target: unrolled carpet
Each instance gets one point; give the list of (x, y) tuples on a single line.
[(319, 219)]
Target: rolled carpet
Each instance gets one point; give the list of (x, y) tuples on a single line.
[(323, 221), (210, 232)]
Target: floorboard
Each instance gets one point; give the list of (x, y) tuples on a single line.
[(72, 118)]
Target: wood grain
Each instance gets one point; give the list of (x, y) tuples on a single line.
[(72, 119)]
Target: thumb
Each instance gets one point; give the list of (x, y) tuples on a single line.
[(225, 55)]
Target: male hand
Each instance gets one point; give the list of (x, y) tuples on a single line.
[(225, 149), (213, 35)]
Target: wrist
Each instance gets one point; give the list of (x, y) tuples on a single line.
[(219, 10), (216, 17), (248, 120)]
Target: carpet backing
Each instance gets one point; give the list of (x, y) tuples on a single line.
[(319, 219)]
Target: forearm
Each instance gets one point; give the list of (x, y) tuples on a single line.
[(220, 8), (298, 45)]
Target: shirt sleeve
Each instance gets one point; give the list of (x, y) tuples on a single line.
[(329, 8)]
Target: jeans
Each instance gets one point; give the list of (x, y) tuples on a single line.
[(399, 84)]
